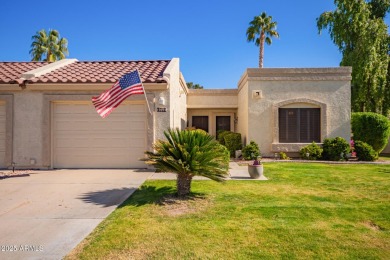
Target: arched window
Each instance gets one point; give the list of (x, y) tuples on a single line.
[(300, 121)]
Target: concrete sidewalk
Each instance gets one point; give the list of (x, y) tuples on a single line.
[(236, 172), (45, 215)]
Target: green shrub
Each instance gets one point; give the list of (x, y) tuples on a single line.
[(314, 151), (221, 136), (232, 142), (365, 152), (251, 151), (371, 128), (333, 148), (225, 152), (283, 156)]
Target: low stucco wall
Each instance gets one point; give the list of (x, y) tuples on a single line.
[(269, 89), (387, 148)]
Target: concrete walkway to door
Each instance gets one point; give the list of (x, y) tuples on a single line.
[(45, 215)]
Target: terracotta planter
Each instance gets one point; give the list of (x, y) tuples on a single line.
[(255, 171)]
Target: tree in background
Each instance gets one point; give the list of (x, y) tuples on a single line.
[(358, 29), (48, 46), (261, 29), (191, 85)]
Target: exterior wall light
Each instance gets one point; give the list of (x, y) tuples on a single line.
[(161, 101)]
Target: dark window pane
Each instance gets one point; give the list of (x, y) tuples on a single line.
[(201, 122), (299, 125), (288, 125), (223, 123)]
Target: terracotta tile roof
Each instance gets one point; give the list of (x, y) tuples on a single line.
[(10, 71), (86, 71)]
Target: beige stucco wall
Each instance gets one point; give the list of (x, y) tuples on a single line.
[(29, 138), (28, 134), (243, 112), (212, 103), (177, 95), (326, 88), (212, 114), (212, 98)]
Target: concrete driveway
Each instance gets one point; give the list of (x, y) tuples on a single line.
[(45, 215)]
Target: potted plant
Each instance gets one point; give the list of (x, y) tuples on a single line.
[(255, 170)]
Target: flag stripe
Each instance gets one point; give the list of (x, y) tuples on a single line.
[(118, 95), (114, 93), (114, 103), (106, 94), (127, 85), (109, 109)]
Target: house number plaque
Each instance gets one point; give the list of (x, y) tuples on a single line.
[(161, 109)]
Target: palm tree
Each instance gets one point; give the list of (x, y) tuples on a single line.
[(48, 46), (189, 153), (264, 29)]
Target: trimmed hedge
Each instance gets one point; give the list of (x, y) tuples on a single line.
[(232, 142), (314, 150), (371, 128), (365, 152), (251, 151), (334, 147), (221, 136)]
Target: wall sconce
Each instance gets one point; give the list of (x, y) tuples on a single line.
[(161, 101)]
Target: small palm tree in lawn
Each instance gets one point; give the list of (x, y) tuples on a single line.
[(261, 30), (189, 153), (48, 46)]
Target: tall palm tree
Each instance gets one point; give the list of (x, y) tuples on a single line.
[(261, 30), (189, 153), (48, 46)]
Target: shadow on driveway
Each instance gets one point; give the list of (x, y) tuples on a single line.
[(107, 198)]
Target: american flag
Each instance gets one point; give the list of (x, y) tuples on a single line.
[(127, 85)]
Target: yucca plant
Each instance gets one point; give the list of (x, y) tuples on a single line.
[(189, 153)]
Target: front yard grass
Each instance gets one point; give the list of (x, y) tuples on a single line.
[(304, 211)]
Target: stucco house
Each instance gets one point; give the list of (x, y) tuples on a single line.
[(47, 119)]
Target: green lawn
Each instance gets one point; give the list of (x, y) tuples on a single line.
[(304, 211), (384, 157)]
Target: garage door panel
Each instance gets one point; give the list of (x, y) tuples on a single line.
[(82, 162), (101, 125), (93, 142), (81, 139), (87, 152)]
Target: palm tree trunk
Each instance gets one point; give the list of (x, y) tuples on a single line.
[(48, 56), (183, 184), (261, 53)]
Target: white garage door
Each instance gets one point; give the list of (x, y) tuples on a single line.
[(82, 139), (2, 135)]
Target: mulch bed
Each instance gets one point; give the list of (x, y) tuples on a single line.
[(298, 160)]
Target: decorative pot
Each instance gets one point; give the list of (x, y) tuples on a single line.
[(255, 171)]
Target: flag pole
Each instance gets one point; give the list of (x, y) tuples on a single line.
[(147, 102)]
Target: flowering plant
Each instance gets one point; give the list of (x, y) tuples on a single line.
[(257, 161), (352, 146)]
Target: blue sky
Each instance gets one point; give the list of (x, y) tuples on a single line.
[(208, 36)]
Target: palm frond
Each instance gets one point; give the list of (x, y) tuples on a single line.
[(190, 152), (49, 45)]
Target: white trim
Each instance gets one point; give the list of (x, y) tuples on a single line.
[(47, 68)]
